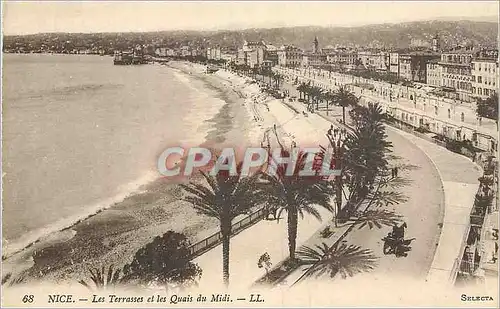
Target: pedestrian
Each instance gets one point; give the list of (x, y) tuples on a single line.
[(330, 130)]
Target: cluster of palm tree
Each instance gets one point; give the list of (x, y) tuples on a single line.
[(273, 79), (365, 174), (314, 95), (365, 152), (224, 197)]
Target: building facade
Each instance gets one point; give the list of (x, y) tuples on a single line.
[(213, 53), (434, 73), (252, 53), (456, 73), (485, 75), (394, 63), (289, 56), (375, 60), (341, 58), (413, 66)]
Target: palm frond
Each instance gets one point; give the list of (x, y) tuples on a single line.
[(346, 260), (376, 218)]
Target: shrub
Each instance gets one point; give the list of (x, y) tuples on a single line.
[(166, 260)]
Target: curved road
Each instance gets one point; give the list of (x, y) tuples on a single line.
[(423, 212)]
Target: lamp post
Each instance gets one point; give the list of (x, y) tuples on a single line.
[(337, 137)]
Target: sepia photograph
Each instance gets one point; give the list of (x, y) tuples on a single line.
[(230, 154)]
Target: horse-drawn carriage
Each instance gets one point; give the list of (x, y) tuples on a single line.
[(397, 246), (396, 243)]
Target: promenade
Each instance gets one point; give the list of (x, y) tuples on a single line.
[(440, 197), (433, 212), (413, 106), (266, 236)]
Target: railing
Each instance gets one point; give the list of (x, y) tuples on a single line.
[(468, 267), (215, 239)]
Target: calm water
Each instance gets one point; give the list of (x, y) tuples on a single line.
[(79, 133)]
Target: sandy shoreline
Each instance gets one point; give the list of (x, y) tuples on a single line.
[(113, 235)]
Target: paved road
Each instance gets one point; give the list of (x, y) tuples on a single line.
[(436, 173), (423, 211)]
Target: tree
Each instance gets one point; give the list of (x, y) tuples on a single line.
[(365, 150), (224, 197), (488, 108), (346, 260), (165, 260), (297, 195), (345, 98), (302, 89), (103, 280)]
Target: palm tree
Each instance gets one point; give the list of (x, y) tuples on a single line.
[(346, 260), (345, 98), (277, 79), (329, 97), (224, 197), (297, 195), (103, 281), (366, 149), (301, 89)]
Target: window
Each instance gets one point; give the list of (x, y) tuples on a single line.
[(479, 79), (473, 78)]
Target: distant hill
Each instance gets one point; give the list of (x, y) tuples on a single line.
[(399, 35), (451, 33)]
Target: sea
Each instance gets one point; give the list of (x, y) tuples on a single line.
[(80, 134)]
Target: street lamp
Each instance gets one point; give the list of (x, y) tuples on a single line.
[(337, 138)]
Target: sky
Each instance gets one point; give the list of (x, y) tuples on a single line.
[(114, 16)]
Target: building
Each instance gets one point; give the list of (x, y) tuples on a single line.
[(161, 51), (485, 74), (341, 57), (436, 45), (252, 53), (213, 53), (434, 73), (456, 73), (270, 55), (313, 59), (289, 56), (185, 51), (374, 60), (394, 63), (413, 65), (315, 45)]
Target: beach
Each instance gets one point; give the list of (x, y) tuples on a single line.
[(111, 236)]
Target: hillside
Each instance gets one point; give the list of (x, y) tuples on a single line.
[(400, 35)]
